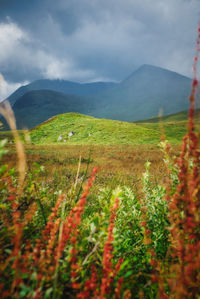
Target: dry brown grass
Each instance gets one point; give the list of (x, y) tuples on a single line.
[(117, 165)]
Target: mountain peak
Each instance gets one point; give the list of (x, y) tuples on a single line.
[(152, 70), (149, 67)]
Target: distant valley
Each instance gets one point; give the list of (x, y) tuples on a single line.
[(139, 96)]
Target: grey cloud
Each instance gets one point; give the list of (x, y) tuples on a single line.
[(84, 40)]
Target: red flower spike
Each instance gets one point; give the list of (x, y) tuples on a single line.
[(195, 82), (108, 272), (127, 294)]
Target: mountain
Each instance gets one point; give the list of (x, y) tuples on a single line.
[(63, 86), (37, 106), (140, 96), (144, 93)]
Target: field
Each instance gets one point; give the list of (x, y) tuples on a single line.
[(99, 215), (122, 165), (119, 149)]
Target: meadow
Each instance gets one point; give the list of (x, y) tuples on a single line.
[(99, 220), (88, 130)]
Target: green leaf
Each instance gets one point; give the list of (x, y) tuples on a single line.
[(24, 291), (129, 273), (48, 293), (124, 264)]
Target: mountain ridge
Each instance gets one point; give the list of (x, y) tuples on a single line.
[(43, 104), (140, 96), (63, 86)]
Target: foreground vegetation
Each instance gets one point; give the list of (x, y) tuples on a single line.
[(61, 236)]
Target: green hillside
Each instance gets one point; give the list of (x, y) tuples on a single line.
[(90, 130), (180, 116), (37, 106)]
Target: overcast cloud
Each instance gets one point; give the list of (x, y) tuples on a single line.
[(92, 40)]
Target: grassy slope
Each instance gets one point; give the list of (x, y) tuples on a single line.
[(103, 131), (180, 116)]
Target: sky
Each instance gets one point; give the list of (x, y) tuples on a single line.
[(93, 40)]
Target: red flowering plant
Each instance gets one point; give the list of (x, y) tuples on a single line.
[(184, 210), (36, 265)]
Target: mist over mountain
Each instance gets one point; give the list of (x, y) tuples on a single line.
[(139, 96)]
